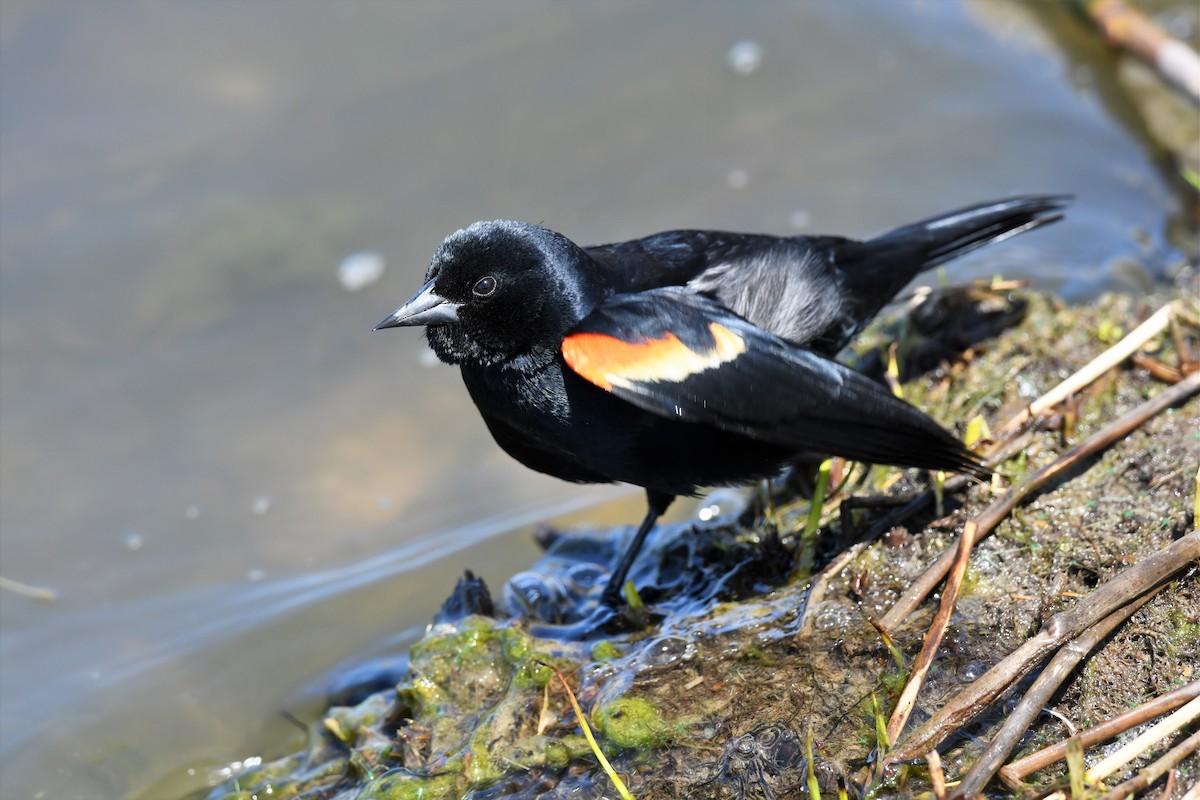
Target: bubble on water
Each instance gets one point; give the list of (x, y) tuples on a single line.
[(834, 618), (745, 57), (971, 671), (360, 270), (667, 650), (134, 541), (261, 505)]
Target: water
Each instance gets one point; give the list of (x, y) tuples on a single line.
[(232, 484)]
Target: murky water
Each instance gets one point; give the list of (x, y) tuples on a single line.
[(233, 486)]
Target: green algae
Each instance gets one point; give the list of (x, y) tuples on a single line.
[(605, 650), (401, 784), (630, 723)]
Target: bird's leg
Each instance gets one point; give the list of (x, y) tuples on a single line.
[(613, 592)]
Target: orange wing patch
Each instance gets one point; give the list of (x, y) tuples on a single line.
[(608, 361)]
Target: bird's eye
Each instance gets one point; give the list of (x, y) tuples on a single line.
[(484, 286)]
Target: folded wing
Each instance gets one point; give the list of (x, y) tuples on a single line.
[(683, 356)]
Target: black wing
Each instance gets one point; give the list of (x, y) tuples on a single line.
[(787, 286), (676, 258), (683, 356), (817, 291)]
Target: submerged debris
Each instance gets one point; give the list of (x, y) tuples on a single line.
[(717, 686)]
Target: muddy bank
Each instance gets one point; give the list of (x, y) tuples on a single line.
[(717, 687)]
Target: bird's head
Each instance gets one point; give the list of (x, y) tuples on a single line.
[(501, 289)]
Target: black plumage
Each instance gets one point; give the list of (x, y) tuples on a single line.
[(688, 358)]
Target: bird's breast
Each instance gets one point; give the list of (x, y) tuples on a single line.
[(531, 403)]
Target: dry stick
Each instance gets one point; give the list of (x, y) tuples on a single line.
[(1158, 369), (1047, 683), (1152, 773), (1012, 773), (985, 522), (1182, 352), (933, 637), (1131, 750), (1168, 790), (1111, 357), (1126, 26), (937, 777), (1095, 368), (1130, 584), (992, 515)]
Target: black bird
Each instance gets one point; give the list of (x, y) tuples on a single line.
[(688, 358)]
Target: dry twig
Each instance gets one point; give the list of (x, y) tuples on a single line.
[(1095, 368), (1152, 773), (1164, 372), (933, 637), (993, 514), (1059, 629), (1018, 721), (1140, 744), (936, 776), (1127, 27), (1014, 772)]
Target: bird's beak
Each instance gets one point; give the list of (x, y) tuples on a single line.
[(427, 307)]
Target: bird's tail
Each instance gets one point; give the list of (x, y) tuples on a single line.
[(931, 242), (873, 271)]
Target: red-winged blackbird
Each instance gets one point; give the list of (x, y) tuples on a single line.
[(688, 358)]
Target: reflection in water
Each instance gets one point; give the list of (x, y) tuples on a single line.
[(232, 485)]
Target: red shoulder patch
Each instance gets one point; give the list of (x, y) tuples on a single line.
[(608, 361)]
